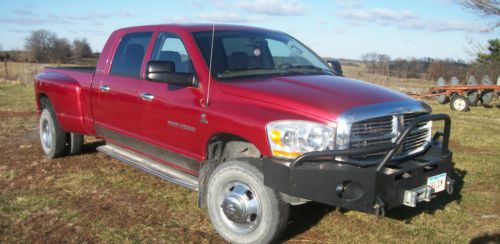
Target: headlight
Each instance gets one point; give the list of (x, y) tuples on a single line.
[(291, 138)]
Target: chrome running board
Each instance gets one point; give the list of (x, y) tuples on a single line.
[(150, 166)]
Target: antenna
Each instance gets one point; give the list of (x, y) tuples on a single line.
[(207, 101)]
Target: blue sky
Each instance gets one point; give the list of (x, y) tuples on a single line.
[(333, 28)]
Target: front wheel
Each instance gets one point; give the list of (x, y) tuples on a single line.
[(242, 209)]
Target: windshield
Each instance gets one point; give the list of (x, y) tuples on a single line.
[(240, 53)]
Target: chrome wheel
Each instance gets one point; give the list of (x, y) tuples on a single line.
[(239, 207), (459, 104), (46, 134)]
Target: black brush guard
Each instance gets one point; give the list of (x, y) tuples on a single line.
[(319, 177)]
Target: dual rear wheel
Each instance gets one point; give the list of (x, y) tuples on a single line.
[(55, 141)]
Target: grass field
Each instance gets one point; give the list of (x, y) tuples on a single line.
[(93, 198)]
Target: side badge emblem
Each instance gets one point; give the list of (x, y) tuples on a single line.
[(203, 119)]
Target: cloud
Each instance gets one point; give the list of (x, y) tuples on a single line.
[(92, 16), (272, 7), (445, 26), (405, 20), (23, 12), (19, 31), (376, 14), (223, 17), (196, 4), (349, 4), (30, 20), (178, 19)]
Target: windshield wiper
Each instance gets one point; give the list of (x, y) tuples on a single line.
[(231, 72), (308, 67)]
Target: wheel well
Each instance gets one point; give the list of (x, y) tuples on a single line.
[(220, 148), (227, 146), (43, 101)]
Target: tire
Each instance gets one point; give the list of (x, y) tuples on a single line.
[(486, 97), (443, 99), (459, 103), (75, 143), (473, 97), (242, 209), (52, 136)]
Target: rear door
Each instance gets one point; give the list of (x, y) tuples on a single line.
[(118, 109)]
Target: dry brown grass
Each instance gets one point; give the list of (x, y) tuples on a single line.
[(93, 198)]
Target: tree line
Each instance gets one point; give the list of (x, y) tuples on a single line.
[(487, 62), (44, 46)]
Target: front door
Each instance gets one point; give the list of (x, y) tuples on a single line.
[(171, 113)]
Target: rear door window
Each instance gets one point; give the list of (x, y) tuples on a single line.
[(129, 55)]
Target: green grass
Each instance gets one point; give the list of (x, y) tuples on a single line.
[(93, 198)]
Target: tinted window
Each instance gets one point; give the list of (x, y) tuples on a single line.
[(130, 53), (242, 53), (169, 47)]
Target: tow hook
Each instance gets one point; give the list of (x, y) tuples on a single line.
[(449, 185), (379, 208)]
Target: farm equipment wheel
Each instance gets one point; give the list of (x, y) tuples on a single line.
[(473, 97), (442, 99), (486, 97), (459, 103), (472, 81)]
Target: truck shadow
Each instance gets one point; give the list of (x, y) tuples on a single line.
[(89, 148), (304, 217)]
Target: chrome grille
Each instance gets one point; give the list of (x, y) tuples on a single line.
[(418, 136), (384, 130)]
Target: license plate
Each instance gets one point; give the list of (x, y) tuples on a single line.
[(437, 182)]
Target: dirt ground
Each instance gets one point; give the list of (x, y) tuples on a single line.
[(93, 198)]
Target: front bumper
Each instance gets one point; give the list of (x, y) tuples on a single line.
[(317, 176)]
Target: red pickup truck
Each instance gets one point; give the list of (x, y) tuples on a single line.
[(250, 118)]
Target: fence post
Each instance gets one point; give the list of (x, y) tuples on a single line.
[(6, 69)]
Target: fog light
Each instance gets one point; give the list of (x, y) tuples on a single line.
[(349, 190)]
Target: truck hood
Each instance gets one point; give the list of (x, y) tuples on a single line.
[(324, 96)]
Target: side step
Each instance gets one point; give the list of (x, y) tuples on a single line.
[(150, 166)]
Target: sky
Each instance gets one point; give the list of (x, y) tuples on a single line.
[(333, 28)]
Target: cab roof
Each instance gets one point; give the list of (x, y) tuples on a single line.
[(199, 27)]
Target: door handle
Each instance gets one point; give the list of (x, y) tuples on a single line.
[(147, 96), (104, 88)]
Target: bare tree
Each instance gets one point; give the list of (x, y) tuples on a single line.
[(484, 8), (370, 60), (60, 50), (376, 62), (39, 44), (81, 48)]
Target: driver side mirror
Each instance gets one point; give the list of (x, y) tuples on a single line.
[(336, 67), (164, 71)]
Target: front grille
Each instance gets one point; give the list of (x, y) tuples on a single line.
[(418, 136), (385, 130)]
